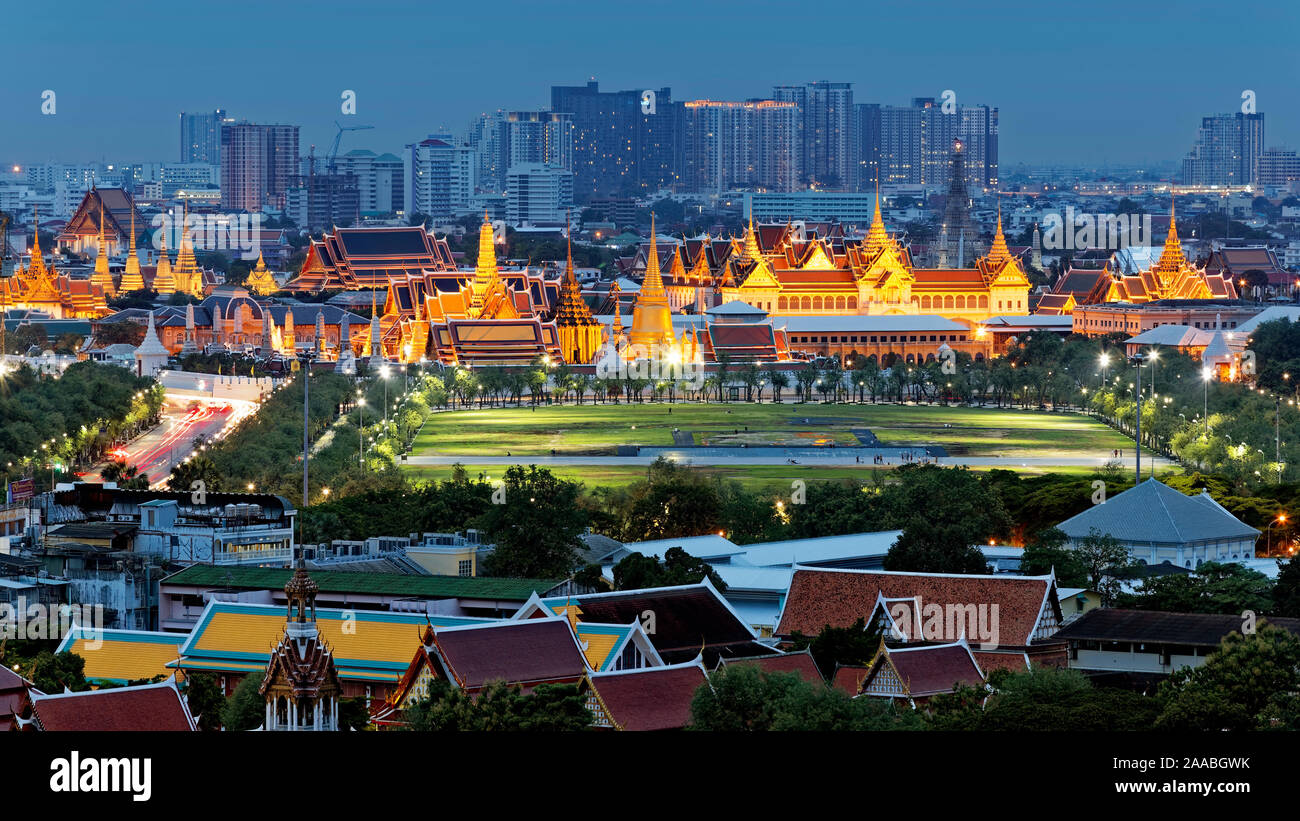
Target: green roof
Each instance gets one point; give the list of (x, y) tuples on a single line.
[(344, 581)]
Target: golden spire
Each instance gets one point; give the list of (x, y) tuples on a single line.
[(131, 279), (998, 252), (486, 270), (259, 279), (164, 281), (752, 251), (653, 283), (877, 236), (1172, 258), (101, 276)]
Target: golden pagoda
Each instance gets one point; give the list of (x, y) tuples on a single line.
[(579, 332), (164, 281), (102, 277), (38, 282), (485, 272), (131, 278), (189, 278), (1170, 277), (259, 279), (652, 322)]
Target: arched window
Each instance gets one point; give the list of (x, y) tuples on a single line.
[(817, 303), (853, 303), (925, 303), (947, 303), (961, 303), (807, 304), (984, 302)]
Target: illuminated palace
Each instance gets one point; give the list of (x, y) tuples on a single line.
[(39, 286), (789, 272)]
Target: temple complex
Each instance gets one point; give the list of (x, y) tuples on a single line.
[(40, 287), (793, 271)]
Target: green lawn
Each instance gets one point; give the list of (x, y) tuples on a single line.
[(600, 429), (754, 477)]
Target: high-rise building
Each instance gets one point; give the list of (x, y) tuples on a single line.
[(259, 163), (201, 136), (538, 194), (1226, 151), (826, 132), (484, 137), (442, 176), (728, 145), (321, 201), (1279, 168), (381, 186), (912, 145), (622, 140), (544, 137)]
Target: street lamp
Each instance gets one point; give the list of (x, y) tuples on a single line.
[(1206, 374), (305, 357), (1138, 359), (1281, 519)]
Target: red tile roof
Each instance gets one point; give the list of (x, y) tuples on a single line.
[(147, 707), (989, 662), (927, 671), (517, 652), (848, 678), (839, 598), (801, 663), (655, 698)]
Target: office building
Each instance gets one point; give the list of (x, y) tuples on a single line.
[(731, 145), (1226, 152), (201, 136), (442, 176), (259, 164), (622, 140), (826, 132), (380, 180), (538, 194)]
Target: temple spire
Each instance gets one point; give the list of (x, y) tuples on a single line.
[(999, 252), (877, 236), (653, 284)]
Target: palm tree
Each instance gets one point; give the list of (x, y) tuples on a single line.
[(779, 380)]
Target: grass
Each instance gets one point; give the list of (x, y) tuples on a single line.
[(753, 477), (600, 429)]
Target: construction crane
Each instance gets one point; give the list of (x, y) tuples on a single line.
[(338, 138), (4, 287)]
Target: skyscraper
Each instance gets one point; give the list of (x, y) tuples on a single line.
[(727, 145), (826, 124), (259, 164), (442, 176), (381, 186), (543, 137), (913, 144), (622, 140), (201, 136), (1226, 151)]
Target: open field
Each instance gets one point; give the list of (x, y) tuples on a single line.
[(752, 477), (600, 429)]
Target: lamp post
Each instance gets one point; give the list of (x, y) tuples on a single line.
[(1281, 519), (383, 374), (361, 431), (1206, 373), (305, 357), (1138, 359)]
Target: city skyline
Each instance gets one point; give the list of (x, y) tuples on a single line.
[(1053, 110)]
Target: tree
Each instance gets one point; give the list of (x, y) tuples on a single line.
[(1227, 589), (678, 567), (834, 646), (246, 708), (499, 707), (1047, 553), (205, 700), (741, 697), (1286, 590), (53, 673), (1042, 699), (1106, 562), (673, 501), (536, 525), (1235, 688)]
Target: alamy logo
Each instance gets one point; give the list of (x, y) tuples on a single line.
[(647, 102), (128, 775), (211, 232), (653, 362), (1080, 231), (914, 621)]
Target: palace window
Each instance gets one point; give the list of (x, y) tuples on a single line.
[(465, 567)]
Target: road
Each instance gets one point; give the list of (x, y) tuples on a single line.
[(156, 451)]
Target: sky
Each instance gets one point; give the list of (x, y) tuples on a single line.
[(1096, 83)]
